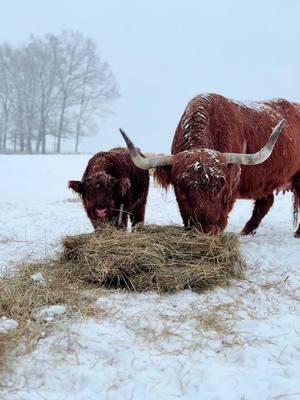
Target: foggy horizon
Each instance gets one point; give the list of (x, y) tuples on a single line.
[(163, 55)]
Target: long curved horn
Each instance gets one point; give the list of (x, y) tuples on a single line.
[(260, 156), (143, 162)]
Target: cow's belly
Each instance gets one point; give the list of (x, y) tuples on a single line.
[(263, 191)]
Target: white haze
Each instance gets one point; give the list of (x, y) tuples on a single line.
[(164, 53)]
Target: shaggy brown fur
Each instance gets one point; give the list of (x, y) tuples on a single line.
[(110, 180), (205, 186)]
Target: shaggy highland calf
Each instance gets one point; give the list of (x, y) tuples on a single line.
[(218, 157), (113, 188)]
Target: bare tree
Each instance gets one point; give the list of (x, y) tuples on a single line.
[(95, 91), (5, 94), (84, 82), (45, 75), (55, 86)]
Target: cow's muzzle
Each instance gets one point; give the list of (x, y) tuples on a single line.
[(101, 212)]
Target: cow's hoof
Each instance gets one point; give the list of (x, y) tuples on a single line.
[(297, 234), (246, 232)]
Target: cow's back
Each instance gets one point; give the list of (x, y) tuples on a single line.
[(215, 122), (284, 162)]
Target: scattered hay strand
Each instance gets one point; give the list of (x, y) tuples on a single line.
[(22, 300)]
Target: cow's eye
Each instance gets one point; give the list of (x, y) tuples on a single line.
[(217, 188), (222, 181)]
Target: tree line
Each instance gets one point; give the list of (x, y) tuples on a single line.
[(52, 88)]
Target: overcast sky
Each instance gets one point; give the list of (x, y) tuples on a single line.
[(165, 52)]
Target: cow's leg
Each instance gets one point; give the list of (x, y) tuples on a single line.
[(121, 222), (137, 215), (124, 221), (120, 218), (261, 208), (296, 192)]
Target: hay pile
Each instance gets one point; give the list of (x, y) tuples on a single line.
[(161, 258)]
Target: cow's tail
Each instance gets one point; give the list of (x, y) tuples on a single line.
[(163, 176), (296, 205), (296, 198)]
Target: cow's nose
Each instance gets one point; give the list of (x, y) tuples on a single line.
[(101, 212)]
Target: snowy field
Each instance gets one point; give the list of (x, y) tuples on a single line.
[(241, 342)]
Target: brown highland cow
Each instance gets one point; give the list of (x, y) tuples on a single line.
[(113, 188), (218, 157)]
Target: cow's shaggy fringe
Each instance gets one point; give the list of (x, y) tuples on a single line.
[(163, 176), (164, 259)]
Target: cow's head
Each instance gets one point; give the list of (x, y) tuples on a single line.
[(204, 185), (102, 195), (205, 180)]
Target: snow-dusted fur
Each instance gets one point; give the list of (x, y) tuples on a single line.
[(205, 186)]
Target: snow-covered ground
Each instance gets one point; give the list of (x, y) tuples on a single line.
[(241, 342)]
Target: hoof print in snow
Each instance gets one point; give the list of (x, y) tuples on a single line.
[(53, 312), (7, 325), (39, 279)]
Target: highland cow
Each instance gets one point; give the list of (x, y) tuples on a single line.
[(218, 157), (113, 188)]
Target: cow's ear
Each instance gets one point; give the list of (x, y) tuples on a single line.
[(124, 185), (76, 186)]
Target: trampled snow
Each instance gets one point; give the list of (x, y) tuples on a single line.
[(7, 325), (240, 342)]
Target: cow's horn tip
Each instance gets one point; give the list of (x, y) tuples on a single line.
[(123, 133)]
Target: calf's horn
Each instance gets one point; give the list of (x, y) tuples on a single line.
[(260, 156), (143, 162)]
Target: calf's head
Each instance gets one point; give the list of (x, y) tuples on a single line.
[(102, 196)]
